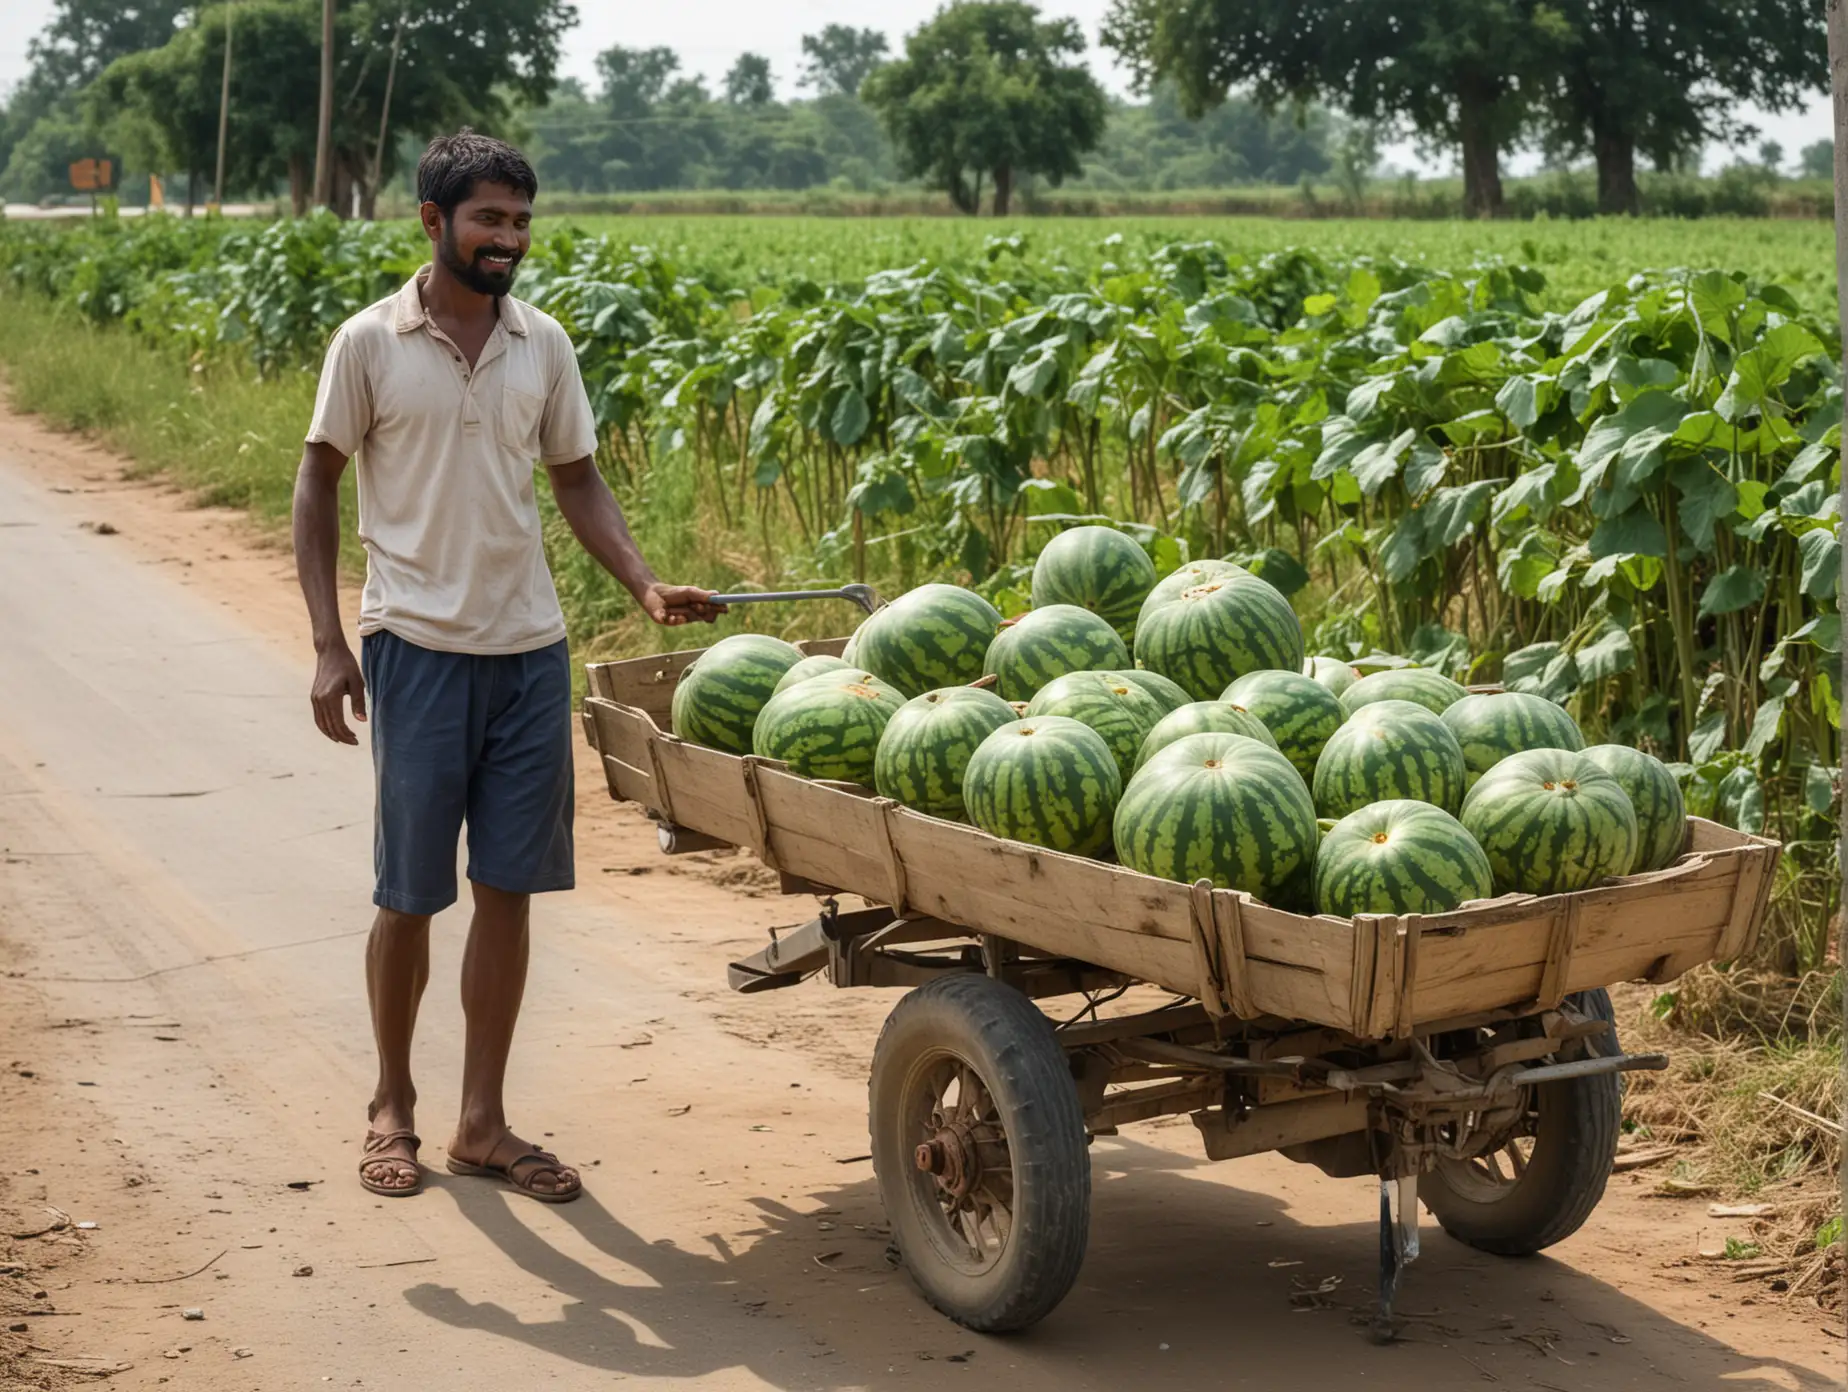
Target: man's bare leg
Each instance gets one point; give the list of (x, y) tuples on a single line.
[(493, 984), (397, 969)]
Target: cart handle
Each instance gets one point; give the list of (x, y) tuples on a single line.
[(863, 595)]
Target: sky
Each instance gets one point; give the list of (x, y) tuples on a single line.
[(710, 34)]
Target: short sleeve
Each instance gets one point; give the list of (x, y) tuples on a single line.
[(343, 399), (568, 429)]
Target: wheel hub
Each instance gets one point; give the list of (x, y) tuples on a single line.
[(951, 1158)]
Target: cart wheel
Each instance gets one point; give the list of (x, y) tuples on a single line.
[(979, 1147), (1542, 1185)]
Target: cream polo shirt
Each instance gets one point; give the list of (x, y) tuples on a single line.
[(454, 555)]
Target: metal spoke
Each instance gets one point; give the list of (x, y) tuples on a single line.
[(1516, 1161)]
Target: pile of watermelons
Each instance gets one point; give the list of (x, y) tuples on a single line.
[(1178, 726)]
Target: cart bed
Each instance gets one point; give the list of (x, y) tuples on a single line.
[(1375, 976)]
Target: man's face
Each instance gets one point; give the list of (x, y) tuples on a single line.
[(481, 243)]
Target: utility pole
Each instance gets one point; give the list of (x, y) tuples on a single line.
[(1838, 86), (378, 150), (224, 111), (324, 135)]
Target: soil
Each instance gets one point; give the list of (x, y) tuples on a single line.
[(184, 893)]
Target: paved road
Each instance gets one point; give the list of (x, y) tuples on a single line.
[(183, 885)]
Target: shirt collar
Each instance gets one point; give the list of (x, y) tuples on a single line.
[(410, 313)]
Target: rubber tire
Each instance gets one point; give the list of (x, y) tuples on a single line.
[(1574, 1144), (1011, 1046)]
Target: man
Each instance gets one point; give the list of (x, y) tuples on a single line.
[(448, 391)]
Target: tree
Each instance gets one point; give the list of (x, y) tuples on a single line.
[(839, 58), (989, 89), (1665, 77), (461, 62), (1817, 161), (1464, 73), (748, 83)]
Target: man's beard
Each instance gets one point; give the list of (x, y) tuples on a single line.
[(477, 277)]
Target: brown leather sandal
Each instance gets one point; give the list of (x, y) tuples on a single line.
[(376, 1141), (547, 1160)]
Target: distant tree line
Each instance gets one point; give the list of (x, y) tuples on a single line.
[(983, 101)]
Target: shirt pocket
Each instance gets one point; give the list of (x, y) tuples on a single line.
[(520, 415)]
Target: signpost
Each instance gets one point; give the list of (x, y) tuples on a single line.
[(93, 176)]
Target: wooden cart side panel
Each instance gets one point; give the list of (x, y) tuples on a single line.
[(822, 647), (829, 835), (647, 683), (1618, 933), (624, 739)]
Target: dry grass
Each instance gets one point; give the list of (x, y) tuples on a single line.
[(1750, 1109)]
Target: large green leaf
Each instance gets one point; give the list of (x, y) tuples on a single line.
[(1762, 369), (1645, 424), (1541, 669), (1636, 533), (1735, 588), (1608, 655), (1706, 497), (851, 417), (1822, 561)]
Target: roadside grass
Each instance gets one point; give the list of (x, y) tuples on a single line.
[(226, 438)]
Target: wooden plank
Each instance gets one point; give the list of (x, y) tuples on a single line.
[(706, 791), (822, 647), (829, 835), (1229, 1136)]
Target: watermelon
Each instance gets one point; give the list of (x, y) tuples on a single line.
[(1491, 727), (1332, 672), (1171, 696), (1552, 821), (1208, 636), (1203, 718), (815, 666), (1095, 568), (936, 635), (1048, 779), (927, 745), (1390, 749), (1399, 857), (1661, 816), (1185, 578), (1299, 711), (1218, 807), (1045, 643), (1432, 690), (718, 699), (848, 649), (1119, 710), (827, 729)]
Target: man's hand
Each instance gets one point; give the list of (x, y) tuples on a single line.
[(336, 678), (673, 605)]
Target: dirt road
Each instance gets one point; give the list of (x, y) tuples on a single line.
[(183, 894)]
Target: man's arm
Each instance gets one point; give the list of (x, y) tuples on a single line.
[(597, 522), (317, 555)]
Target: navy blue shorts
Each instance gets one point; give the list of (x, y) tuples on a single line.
[(459, 739)]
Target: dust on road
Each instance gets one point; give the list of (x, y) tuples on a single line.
[(184, 886)]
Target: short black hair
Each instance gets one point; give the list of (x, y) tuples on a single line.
[(453, 164)]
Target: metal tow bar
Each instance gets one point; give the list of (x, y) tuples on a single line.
[(863, 595)]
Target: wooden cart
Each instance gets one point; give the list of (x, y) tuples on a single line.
[(1472, 1051)]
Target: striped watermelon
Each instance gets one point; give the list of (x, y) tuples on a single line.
[(1432, 690), (816, 666), (1185, 578), (1399, 857), (1204, 718), (1390, 749), (1095, 568), (1491, 727), (848, 649), (1551, 821), (1298, 710), (934, 636), (827, 729), (1170, 695), (719, 696), (1218, 807), (1332, 672), (927, 745), (1045, 643), (1049, 780), (1208, 636), (1661, 816), (1119, 710)]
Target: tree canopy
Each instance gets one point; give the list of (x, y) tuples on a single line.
[(837, 60), (989, 89)]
